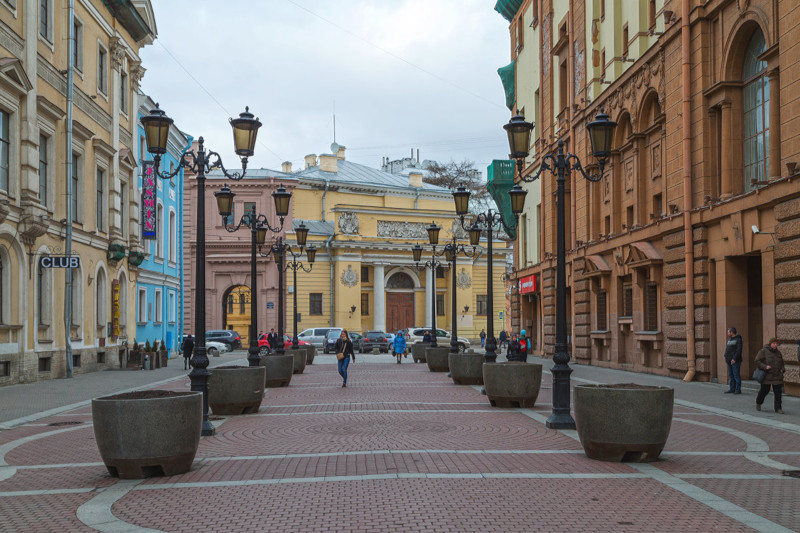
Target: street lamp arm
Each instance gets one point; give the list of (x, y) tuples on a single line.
[(297, 265), (544, 166), (576, 165), (217, 164)]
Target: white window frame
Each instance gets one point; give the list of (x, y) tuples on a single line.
[(10, 182), (102, 62), (79, 45), (158, 307), (123, 302), (48, 38), (141, 306), (124, 92), (124, 210), (171, 306), (77, 300), (160, 238), (102, 224), (5, 286), (78, 200), (101, 299), (173, 236)]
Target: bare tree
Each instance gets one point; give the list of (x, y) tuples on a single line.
[(461, 174)]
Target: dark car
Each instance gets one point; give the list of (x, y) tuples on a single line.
[(334, 334), (375, 339), (226, 336)]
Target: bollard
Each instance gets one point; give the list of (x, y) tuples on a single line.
[(146, 362)]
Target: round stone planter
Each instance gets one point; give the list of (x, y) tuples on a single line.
[(512, 383), (236, 390), (466, 368), (279, 370), (437, 358), (311, 352), (299, 359), (624, 422), (418, 352), (148, 433)]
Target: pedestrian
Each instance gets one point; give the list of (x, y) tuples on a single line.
[(503, 339), (426, 338), (188, 348), (514, 352), (733, 360), (272, 339), (770, 359), (524, 345), (344, 351), (399, 346), (483, 338)]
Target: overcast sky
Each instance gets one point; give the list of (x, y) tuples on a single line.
[(401, 74)]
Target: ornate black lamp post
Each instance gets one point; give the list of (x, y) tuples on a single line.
[(259, 225), (482, 222), (601, 132), (451, 251), (156, 129), (433, 239), (280, 249)]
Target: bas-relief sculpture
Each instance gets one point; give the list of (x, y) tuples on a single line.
[(348, 223)]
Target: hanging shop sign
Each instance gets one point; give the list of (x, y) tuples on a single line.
[(60, 261), (527, 284), (149, 189)]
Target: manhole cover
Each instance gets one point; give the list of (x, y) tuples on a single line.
[(792, 473), (68, 423)]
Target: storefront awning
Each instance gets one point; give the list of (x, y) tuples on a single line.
[(500, 178), (508, 8), (507, 77)]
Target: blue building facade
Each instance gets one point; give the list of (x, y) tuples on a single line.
[(159, 288)]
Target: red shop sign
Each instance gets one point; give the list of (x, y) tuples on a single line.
[(527, 284)]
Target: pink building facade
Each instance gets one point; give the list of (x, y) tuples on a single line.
[(228, 254)]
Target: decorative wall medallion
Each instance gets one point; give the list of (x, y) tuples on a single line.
[(464, 281), (656, 160), (349, 277), (628, 175), (348, 223), (402, 230), (459, 232)]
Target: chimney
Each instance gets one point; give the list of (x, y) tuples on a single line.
[(340, 153), (328, 163), (415, 179), (286, 167), (311, 160)]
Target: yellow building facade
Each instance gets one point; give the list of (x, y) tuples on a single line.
[(35, 65), (364, 223)]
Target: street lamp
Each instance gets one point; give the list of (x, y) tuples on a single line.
[(279, 250), (601, 133), (433, 239), (156, 128), (483, 222), (451, 251), (259, 225)]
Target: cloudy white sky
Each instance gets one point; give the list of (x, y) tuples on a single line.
[(400, 74)]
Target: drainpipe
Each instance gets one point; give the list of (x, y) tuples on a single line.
[(324, 194), (416, 198), (686, 82), (181, 256), (330, 260), (68, 245)]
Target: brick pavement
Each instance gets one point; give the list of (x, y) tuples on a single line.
[(404, 449)]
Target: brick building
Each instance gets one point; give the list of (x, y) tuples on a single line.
[(696, 224)]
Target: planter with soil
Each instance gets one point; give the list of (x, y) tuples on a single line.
[(236, 390), (311, 352), (466, 368), (418, 352), (279, 369), (623, 422), (299, 355), (148, 433), (512, 383), (437, 358)]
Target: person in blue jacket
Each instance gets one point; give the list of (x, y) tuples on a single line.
[(399, 346)]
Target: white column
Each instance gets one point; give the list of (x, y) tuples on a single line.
[(380, 298), (429, 285)]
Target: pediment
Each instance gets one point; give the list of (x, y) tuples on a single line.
[(13, 76), (642, 253), (595, 265)]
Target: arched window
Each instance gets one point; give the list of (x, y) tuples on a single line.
[(77, 300), (43, 291), (173, 232), (3, 289), (101, 305), (756, 113), (160, 228), (123, 303), (400, 280)]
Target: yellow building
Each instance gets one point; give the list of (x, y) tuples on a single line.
[(36, 64), (364, 222)]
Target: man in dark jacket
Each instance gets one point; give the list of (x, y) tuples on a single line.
[(272, 339), (188, 348), (770, 360), (514, 352), (733, 360)]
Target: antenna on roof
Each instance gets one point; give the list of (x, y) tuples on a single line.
[(334, 121)]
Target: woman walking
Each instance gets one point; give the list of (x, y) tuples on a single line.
[(399, 346), (770, 360), (344, 351)]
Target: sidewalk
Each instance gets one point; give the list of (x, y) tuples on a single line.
[(404, 449)]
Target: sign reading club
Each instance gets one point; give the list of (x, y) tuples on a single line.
[(60, 261)]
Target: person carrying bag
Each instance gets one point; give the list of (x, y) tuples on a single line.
[(770, 360), (344, 351), (399, 346)]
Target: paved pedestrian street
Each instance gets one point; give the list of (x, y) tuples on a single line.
[(404, 449)]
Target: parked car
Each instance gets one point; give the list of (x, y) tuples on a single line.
[(375, 339), (227, 336), (335, 333), (414, 335), (263, 346), (213, 348), (315, 336)]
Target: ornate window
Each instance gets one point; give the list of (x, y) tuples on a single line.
[(756, 113), (43, 290), (173, 236), (3, 289), (400, 280), (43, 170), (5, 140)]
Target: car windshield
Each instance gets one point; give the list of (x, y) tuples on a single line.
[(376, 335), (333, 334)]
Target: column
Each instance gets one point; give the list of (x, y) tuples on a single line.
[(429, 285), (379, 297)]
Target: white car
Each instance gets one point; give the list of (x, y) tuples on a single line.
[(414, 335), (215, 349)]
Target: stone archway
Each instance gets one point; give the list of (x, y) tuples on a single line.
[(399, 302), (236, 311)]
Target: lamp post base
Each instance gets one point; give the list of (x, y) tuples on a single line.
[(561, 418), (253, 359)]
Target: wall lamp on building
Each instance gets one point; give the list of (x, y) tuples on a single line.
[(483, 222), (259, 226), (560, 164), (279, 250), (434, 264), (156, 130)]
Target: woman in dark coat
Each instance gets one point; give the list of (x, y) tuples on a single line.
[(344, 346), (514, 353), (770, 360), (188, 348)]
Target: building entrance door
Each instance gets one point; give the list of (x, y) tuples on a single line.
[(399, 311)]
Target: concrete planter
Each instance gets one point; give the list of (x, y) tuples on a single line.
[(418, 352), (236, 390), (437, 359), (512, 383), (279, 370), (625, 422), (148, 433), (466, 368), (311, 352), (299, 360)]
